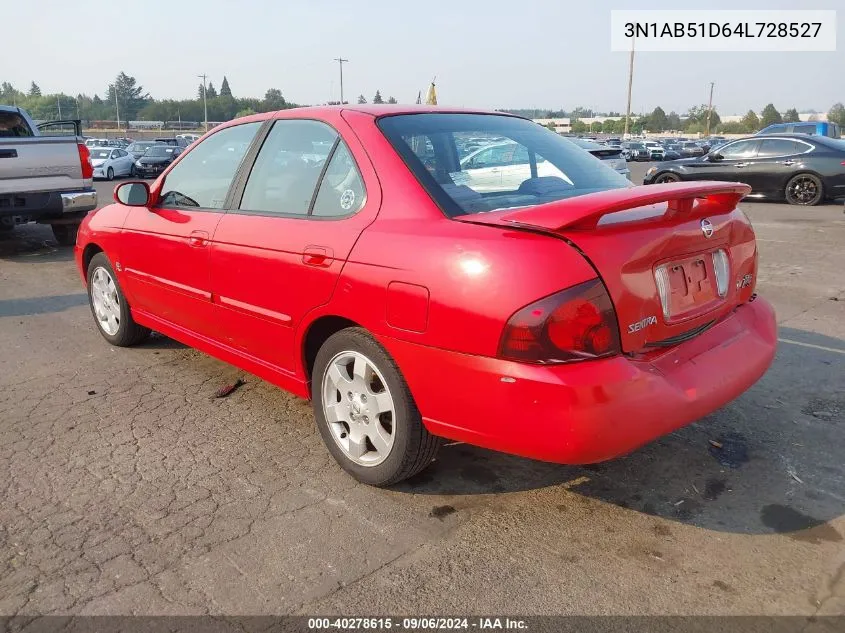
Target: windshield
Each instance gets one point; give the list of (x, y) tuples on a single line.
[(100, 153), (139, 147), (514, 163), (159, 151)]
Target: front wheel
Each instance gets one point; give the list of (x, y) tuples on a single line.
[(132, 172), (666, 177), (109, 307), (110, 174), (804, 190), (365, 412)]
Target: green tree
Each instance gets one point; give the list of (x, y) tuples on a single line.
[(597, 127), (750, 122), (212, 93), (578, 126), (130, 96), (392, 100), (657, 120), (225, 90), (273, 100), (377, 98), (734, 127), (837, 114), (791, 116), (244, 112), (673, 121), (34, 90), (770, 115), (362, 99)]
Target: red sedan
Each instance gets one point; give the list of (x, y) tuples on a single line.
[(422, 274)]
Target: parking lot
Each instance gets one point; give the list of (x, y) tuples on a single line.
[(127, 487)]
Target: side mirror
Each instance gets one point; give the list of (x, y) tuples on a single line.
[(133, 194), (714, 157)]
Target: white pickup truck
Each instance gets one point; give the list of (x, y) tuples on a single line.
[(45, 174)]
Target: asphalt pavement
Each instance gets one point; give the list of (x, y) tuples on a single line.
[(127, 487)]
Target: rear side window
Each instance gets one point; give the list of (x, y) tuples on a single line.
[(13, 125), (285, 175), (804, 129), (203, 178), (780, 147), (513, 162), (342, 189)]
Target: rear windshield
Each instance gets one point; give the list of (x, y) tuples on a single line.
[(13, 125), (473, 163), (100, 153), (160, 150)]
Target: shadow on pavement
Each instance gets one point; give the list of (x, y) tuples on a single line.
[(41, 305), (769, 462), (33, 243)]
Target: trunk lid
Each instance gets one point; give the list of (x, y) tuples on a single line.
[(653, 247)]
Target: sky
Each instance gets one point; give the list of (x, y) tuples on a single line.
[(484, 53)]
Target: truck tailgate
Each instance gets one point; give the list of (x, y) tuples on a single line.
[(40, 163)]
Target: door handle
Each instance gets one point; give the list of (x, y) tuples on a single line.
[(741, 165), (198, 239), (319, 256), (787, 162)]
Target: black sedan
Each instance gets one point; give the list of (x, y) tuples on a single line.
[(800, 169), (138, 148), (156, 159), (690, 149)]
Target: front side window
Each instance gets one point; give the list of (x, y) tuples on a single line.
[(203, 178), (531, 164), (740, 149), (288, 167)]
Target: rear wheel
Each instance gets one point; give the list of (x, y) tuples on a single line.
[(109, 307), (805, 190), (666, 176), (7, 224), (365, 412), (65, 234)]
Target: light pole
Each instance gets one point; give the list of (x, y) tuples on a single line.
[(709, 109), (630, 85), (204, 101), (116, 107), (340, 61)]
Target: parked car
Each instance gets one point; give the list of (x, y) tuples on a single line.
[(672, 152), (138, 148), (156, 159), (691, 148), (655, 150), (638, 151), (612, 156), (803, 170), (45, 174), (188, 138), (412, 305), (817, 128), (109, 162), (177, 141)]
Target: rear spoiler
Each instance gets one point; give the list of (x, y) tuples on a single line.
[(690, 199)]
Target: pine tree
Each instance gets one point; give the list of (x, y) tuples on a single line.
[(225, 91), (392, 100), (211, 93), (770, 115), (791, 116), (34, 90), (362, 99), (377, 98)]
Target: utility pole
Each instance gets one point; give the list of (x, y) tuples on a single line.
[(204, 100), (340, 61), (116, 107), (709, 110), (630, 85), (59, 103)]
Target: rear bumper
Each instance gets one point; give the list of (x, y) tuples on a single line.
[(47, 205), (593, 411)]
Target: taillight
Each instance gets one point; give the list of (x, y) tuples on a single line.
[(722, 267), (85, 161), (575, 324)]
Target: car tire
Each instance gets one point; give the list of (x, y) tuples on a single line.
[(804, 190), (666, 176), (132, 172), (7, 224), (341, 411), (65, 234), (106, 299), (110, 174)]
